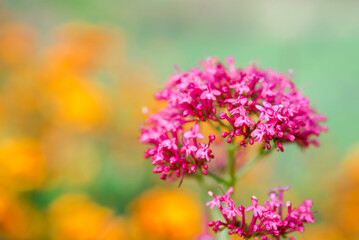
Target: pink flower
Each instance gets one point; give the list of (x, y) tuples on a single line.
[(158, 157), (239, 95), (238, 110), (204, 152), (215, 201), (150, 135), (269, 112), (240, 87), (266, 222), (170, 144), (259, 133), (305, 214), (241, 100), (257, 209), (231, 210), (194, 132), (204, 236), (188, 148), (210, 94), (244, 121), (274, 202), (227, 195), (267, 89)]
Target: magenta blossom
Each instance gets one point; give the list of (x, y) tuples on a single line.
[(250, 103), (267, 221)]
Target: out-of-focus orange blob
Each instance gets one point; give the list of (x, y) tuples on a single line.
[(22, 103), (78, 48), (165, 214), (68, 74), (346, 197), (18, 220), (22, 164), (76, 217), (115, 229), (17, 43), (77, 102), (319, 232), (351, 164)]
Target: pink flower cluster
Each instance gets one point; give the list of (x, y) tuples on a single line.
[(251, 104), (266, 221)]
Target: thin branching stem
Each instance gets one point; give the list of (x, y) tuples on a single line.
[(218, 179), (251, 164)]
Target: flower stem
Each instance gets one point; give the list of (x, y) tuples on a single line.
[(201, 183), (231, 163), (251, 163), (218, 179)]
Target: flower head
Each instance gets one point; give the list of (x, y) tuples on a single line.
[(257, 105), (267, 221)]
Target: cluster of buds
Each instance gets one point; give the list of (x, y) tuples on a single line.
[(247, 105), (266, 221)]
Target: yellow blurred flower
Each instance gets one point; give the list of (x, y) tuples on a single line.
[(76, 217), (114, 230), (22, 164), (70, 64), (165, 214), (77, 102)]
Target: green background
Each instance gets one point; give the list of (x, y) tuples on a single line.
[(319, 40)]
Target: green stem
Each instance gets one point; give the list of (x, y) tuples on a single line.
[(201, 183), (218, 179), (231, 149), (251, 163), (216, 127), (223, 124)]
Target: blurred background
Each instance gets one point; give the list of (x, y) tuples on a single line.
[(75, 74)]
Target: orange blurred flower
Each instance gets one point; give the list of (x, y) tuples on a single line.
[(165, 214), (69, 65), (18, 220), (22, 164), (351, 165), (78, 48), (346, 197), (77, 102), (17, 43), (77, 217), (319, 232)]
